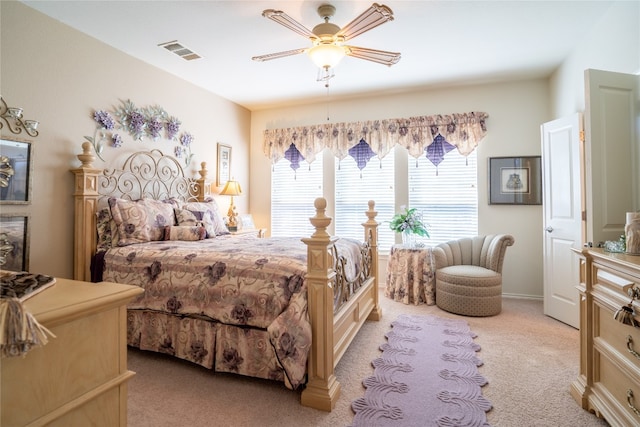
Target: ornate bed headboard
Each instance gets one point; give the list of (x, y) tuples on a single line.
[(145, 174), (148, 174)]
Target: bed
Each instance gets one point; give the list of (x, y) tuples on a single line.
[(275, 308)]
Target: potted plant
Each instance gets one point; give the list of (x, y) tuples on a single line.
[(409, 223)]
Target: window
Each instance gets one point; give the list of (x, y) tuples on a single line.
[(292, 197), (354, 189), (446, 195)]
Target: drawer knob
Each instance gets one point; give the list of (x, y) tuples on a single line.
[(630, 347), (630, 402)]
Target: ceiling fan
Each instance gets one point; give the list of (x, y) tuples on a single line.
[(327, 38)]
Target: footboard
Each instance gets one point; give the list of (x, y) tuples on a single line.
[(331, 333)]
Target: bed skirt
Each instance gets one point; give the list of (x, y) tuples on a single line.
[(213, 345)]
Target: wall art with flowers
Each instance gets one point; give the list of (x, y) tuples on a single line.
[(151, 122)]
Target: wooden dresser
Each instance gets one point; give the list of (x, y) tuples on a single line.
[(609, 380), (80, 377)]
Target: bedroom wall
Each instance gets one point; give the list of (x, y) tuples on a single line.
[(515, 111), (59, 76), (612, 45)]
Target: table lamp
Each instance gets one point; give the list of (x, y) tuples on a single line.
[(232, 188)]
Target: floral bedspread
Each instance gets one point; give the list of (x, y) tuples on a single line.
[(248, 282)]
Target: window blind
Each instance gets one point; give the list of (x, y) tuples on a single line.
[(292, 197), (354, 189), (447, 196)]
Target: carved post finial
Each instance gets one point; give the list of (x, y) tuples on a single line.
[(203, 170), (320, 221), (371, 213), (86, 157)]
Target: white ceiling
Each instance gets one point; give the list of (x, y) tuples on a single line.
[(442, 42)]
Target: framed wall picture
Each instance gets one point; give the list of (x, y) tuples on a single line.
[(15, 172), (223, 173), (515, 181), (14, 242)]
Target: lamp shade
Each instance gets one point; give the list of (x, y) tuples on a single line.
[(326, 55), (231, 188)]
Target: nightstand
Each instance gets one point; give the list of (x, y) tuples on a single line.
[(256, 232)]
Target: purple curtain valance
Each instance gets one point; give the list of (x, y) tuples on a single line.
[(463, 131)]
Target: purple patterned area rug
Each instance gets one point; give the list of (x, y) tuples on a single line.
[(426, 376)]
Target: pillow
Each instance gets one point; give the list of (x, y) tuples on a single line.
[(183, 232), (159, 215), (211, 205), (204, 219), (141, 220), (107, 230), (131, 220)]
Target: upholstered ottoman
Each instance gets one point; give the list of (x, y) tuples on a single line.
[(469, 290)]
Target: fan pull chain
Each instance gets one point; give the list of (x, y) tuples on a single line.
[(327, 86)]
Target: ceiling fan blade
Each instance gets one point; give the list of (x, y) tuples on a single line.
[(285, 20), (380, 56), (277, 55), (374, 16)]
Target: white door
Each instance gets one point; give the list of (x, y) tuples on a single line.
[(563, 225), (612, 150)]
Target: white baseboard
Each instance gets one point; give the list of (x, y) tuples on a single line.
[(523, 296)]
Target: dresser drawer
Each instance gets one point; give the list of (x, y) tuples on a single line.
[(612, 387), (625, 339), (615, 284)]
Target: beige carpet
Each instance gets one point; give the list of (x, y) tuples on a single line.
[(529, 360)]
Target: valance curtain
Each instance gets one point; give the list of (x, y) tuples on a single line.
[(432, 136)]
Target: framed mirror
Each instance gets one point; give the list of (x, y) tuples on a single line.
[(15, 172)]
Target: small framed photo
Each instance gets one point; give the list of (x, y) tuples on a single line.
[(245, 222), (15, 172), (515, 180), (14, 242), (223, 173)]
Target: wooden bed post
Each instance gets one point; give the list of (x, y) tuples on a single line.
[(371, 235), (85, 201), (322, 389), (202, 188)]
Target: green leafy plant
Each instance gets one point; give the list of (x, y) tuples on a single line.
[(409, 221)]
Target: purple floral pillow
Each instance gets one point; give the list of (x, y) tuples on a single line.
[(159, 215), (107, 230), (141, 220), (216, 217), (192, 218), (131, 220), (182, 232)]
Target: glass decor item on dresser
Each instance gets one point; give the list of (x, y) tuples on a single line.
[(410, 224)]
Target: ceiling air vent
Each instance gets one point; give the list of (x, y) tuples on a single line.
[(181, 51)]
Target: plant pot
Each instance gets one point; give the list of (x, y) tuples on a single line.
[(408, 239)]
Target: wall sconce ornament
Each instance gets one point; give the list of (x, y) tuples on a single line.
[(12, 116), (151, 122)]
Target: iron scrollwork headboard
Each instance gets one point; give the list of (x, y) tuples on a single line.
[(149, 174)]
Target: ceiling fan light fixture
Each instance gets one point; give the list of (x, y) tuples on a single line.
[(326, 55)]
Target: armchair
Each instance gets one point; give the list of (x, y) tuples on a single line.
[(469, 274)]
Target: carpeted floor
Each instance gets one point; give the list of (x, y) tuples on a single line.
[(529, 361)]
